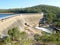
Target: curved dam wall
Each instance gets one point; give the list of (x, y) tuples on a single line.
[(19, 21)]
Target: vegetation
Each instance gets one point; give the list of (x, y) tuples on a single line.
[(35, 9), (21, 38), (48, 38), (16, 38), (14, 33)]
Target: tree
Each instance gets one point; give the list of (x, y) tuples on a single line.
[(37, 37), (14, 33), (50, 18)]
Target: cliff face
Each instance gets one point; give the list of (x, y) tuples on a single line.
[(20, 20)]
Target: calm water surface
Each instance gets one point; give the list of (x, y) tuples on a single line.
[(5, 15)]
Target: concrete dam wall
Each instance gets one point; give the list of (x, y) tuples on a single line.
[(23, 21)]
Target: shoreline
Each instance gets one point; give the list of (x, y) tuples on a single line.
[(7, 13), (7, 17)]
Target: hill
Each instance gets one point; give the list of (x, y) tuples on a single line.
[(36, 9)]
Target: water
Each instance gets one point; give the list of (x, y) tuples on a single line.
[(2, 16), (44, 29)]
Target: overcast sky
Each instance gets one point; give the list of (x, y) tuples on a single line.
[(6, 4)]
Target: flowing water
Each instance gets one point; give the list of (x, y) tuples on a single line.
[(44, 29)]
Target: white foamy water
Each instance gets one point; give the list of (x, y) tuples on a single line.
[(43, 29)]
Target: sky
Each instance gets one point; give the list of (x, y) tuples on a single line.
[(7, 4)]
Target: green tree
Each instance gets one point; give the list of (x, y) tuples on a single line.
[(14, 33)]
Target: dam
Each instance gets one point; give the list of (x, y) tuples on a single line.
[(23, 21)]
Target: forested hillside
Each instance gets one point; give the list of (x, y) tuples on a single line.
[(34, 9), (37, 9)]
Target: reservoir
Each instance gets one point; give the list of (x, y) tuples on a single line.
[(2, 16)]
